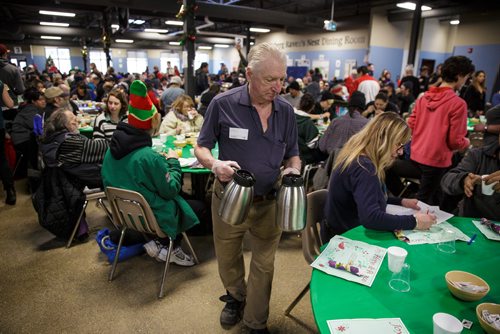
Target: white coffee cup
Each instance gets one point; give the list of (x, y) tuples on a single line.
[(396, 258), (487, 189), (445, 323)]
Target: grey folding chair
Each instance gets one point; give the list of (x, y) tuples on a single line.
[(311, 242), (306, 174), (90, 195), (132, 211)]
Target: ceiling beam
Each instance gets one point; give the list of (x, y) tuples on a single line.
[(241, 13)]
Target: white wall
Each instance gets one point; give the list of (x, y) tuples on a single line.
[(388, 34)]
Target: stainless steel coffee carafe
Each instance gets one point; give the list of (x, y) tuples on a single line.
[(237, 198), (291, 204)]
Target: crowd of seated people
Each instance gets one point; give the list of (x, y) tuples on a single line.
[(346, 106)]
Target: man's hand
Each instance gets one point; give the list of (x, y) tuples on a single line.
[(469, 182), (479, 127), (411, 203), (291, 170), (492, 178), (224, 169)]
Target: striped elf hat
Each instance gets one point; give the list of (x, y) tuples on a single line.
[(140, 109)]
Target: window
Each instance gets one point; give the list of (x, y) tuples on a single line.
[(137, 61), (173, 58), (99, 59), (61, 58)]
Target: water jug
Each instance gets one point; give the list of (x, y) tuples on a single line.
[(237, 198), (291, 204)]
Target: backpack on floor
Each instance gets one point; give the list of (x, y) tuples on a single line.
[(109, 248)]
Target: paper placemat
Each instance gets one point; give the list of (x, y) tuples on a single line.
[(488, 233), (351, 260), (432, 236), (363, 326)]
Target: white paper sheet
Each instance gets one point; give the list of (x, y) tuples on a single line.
[(363, 326), (365, 257), (488, 233), (441, 216)]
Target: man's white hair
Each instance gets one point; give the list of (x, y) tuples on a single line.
[(263, 52)]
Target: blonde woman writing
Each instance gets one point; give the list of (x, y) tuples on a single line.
[(182, 117), (356, 193)]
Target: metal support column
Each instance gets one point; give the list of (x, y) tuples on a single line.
[(189, 30), (415, 29)]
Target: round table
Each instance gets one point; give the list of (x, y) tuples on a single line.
[(335, 298)]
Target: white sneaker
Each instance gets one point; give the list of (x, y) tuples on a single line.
[(153, 248), (178, 257)]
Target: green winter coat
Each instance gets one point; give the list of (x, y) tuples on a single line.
[(158, 180)]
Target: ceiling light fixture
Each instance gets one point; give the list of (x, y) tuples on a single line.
[(205, 47), (221, 45), (51, 37), (54, 24), (174, 23), (115, 26), (174, 43), (50, 12), (252, 43), (263, 30), (138, 21), (412, 6), (159, 31), (454, 22), (128, 41)]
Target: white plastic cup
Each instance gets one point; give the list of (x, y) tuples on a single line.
[(400, 281), (445, 323), (163, 137), (482, 119), (396, 257), (487, 189)]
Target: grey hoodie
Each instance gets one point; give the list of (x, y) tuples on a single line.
[(11, 76)]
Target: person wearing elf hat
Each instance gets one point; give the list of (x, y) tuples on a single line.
[(132, 164)]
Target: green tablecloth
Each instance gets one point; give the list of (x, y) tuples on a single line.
[(335, 298), (87, 131)]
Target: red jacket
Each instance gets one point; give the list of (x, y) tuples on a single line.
[(439, 124)]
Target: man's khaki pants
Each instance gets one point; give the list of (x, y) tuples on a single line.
[(264, 240)]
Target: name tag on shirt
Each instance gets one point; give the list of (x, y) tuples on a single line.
[(237, 133)]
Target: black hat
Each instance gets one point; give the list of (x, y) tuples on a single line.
[(326, 95), (357, 100), (294, 85)]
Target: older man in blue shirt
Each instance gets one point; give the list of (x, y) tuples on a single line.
[(256, 130)]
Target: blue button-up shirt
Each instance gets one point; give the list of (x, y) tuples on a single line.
[(234, 123)]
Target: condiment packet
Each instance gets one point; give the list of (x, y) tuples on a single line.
[(469, 287), (492, 319)]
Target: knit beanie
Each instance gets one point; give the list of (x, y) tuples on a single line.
[(140, 109)]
